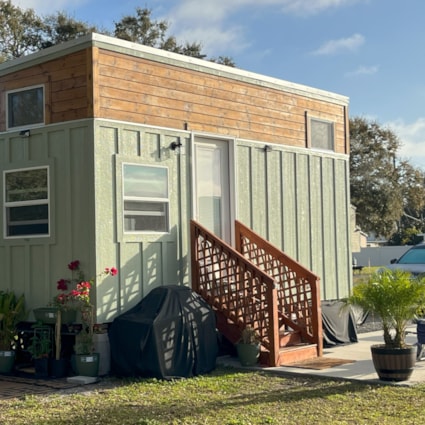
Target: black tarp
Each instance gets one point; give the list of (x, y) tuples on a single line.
[(338, 323), (171, 333)]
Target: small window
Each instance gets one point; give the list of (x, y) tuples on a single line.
[(25, 107), (321, 134), (26, 202), (146, 203)]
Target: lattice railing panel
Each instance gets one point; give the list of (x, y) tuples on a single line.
[(233, 285), (298, 299)]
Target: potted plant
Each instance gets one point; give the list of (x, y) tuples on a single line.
[(396, 297), (40, 349), (85, 361), (248, 347), (12, 311), (66, 301)]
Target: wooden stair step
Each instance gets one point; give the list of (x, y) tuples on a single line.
[(297, 353)]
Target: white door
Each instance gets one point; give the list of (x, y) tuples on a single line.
[(212, 203)]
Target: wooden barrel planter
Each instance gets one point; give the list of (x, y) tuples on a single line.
[(394, 364)]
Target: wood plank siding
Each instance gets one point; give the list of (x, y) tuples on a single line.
[(147, 92), (102, 83), (67, 83)]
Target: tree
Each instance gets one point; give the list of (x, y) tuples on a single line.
[(21, 31), (387, 193), (61, 27), (142, 29)]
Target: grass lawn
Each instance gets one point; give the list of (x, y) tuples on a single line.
[(225, 397)]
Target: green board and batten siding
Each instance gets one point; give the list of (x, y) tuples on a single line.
[(286, 195), (303, 214), (108, 102), (33, 265)]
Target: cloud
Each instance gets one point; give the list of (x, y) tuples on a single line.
[(412, 137), (312, 7), (363, 70), (332, 47), (48, 7), (212, 22)]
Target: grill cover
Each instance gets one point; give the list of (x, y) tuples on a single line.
[(171, 333)]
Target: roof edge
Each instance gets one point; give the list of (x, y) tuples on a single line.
[(175, 59)]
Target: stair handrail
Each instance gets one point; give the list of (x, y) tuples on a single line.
[(211, 278), (307, 311)]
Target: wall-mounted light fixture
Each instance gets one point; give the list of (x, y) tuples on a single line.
[(176, 145), (25, 133), (267, 148)]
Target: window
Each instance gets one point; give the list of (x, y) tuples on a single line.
[(26, 202), (321, 134), (25, 107), (146, 203)]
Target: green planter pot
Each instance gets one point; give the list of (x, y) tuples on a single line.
[(45, 314), (7, 361), (59, 368), (49, 314), (248, 354), (41, 367), (86, 364)]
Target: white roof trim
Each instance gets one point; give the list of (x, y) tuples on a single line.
[(139, 50)]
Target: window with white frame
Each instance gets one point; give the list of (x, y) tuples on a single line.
[(321, 134), (146, 198), (26, 202), (25, 107)]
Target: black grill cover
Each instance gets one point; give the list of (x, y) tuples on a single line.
[(171, 333), (339, 325)]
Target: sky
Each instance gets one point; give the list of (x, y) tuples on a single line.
[(369, 50)]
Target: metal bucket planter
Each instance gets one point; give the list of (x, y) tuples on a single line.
[(394, 364)]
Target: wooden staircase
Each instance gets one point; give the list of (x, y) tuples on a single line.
[(257, 285)]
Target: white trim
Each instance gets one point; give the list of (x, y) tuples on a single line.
[(311, 117), (231, 150), (11, 204), (26, 126), (165, 201)]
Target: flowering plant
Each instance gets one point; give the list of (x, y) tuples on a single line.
[(75, 292)]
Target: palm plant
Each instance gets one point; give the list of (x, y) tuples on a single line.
[(12, 311), (396, 296)]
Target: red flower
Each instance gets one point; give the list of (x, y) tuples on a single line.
[(62, 285), (73, 265), (112, 271), (83, 285)]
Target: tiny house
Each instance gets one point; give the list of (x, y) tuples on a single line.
[(108, 149)]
